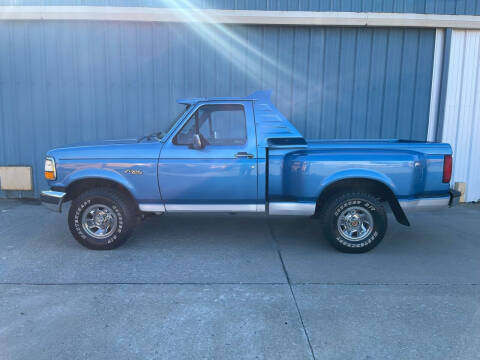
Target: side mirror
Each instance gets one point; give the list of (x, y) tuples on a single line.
[(197, 142)]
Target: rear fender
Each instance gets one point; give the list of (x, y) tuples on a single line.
[(356, 173), (387, 189)]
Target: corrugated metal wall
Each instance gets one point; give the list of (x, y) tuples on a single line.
[(458, 7), (68, 82), (461, 123)]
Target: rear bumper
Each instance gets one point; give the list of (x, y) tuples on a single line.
[(53, 200), (429, 204)]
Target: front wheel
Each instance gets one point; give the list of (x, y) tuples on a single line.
[(101, 219), (354, 222)]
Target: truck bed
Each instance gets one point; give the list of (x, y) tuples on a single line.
[(409, 168)]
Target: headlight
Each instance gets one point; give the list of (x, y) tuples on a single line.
[(50, 171)]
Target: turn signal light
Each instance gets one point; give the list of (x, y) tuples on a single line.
[(50, 170), (447, 168)]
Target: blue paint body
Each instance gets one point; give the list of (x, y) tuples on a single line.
[(284, 167)]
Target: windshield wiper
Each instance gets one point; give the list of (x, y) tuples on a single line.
[(156, 135)]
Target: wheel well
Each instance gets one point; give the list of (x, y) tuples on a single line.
[(79, 186), (370, 186)]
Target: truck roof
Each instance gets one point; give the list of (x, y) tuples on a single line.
[(270, 122), (251, 97)]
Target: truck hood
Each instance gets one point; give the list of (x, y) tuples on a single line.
[(108, 149)]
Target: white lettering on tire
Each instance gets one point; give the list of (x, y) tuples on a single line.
[(79, 228), (349, 203)]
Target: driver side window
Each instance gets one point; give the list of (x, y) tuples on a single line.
[(219, 124)]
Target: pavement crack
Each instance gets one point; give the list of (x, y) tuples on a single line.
[(290, 286)]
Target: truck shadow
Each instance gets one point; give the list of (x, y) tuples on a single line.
[(223, 229)]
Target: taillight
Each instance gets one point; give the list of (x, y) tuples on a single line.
[(447, 168)]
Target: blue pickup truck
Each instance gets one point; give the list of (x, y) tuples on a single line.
[(240, 155)]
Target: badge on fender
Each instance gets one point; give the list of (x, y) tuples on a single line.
[(134, 172)]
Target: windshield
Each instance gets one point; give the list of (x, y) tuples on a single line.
[(159, 135), (174, 121)]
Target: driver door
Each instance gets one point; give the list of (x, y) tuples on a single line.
[(219, 175)]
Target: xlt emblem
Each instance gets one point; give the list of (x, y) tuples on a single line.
[(134, 172)]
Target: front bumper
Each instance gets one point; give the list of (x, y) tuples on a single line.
[(53, 200), (429, 204)]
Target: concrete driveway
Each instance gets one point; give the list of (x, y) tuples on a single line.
[(232, 287)]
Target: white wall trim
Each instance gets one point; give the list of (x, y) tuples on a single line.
[(436, 84), (306, 18)]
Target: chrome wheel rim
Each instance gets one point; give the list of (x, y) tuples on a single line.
[(355, 223), (99, 221)]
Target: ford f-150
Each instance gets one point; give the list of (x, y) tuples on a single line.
[(240, 155)]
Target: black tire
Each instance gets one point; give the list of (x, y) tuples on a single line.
[(355, 210), (112, 204)]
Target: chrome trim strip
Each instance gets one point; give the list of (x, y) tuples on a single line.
[(261, 208), (291, 208), (160, 208), (211, 207), (424, 204), (52, 200)]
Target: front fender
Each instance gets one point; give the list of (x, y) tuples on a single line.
[(104, 174), (138, 176)]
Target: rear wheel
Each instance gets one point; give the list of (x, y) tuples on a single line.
[(101, 219), (354, 222)]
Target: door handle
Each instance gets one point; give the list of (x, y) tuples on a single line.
[(243, 155)]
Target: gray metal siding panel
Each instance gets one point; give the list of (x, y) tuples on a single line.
[(461, 126), (453, 7), (68, 82)]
